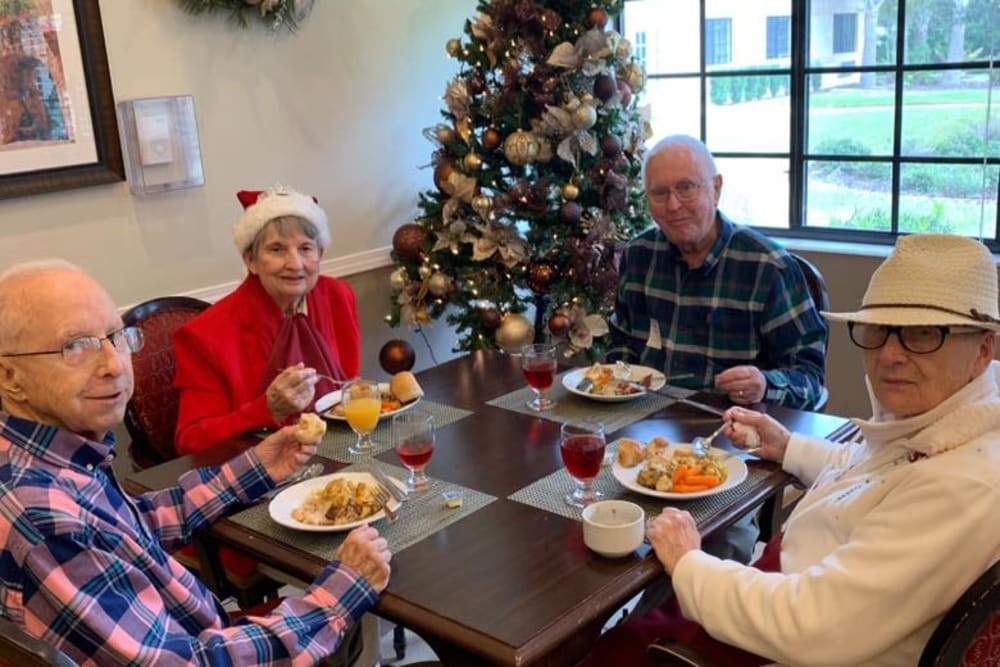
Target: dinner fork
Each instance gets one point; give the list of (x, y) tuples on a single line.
[(700, 446), (383, 498)]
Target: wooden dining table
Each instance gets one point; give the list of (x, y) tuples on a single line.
[(509, 584)]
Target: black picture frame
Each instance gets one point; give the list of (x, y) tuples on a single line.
[(109, 166)]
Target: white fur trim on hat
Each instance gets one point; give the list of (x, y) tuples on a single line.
[(275, 203), (934, 279)]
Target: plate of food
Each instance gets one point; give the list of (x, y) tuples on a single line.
[(663, 469), (401, 393), (330, 503), (613, 382)]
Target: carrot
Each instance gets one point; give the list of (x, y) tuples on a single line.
[(707, 480), (688, 488), (679, 474)]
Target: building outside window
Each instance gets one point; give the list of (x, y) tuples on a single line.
[(640, 48), (778, 32), (718, 41), (845, 33), (881, 118)]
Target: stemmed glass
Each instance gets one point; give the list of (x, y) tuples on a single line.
[(539, 365), (413, 438), (362, 403), (582, 449)]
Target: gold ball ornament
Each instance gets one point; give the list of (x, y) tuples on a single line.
[(439, 284), (584, 117), (445, 134), (635, 77), (473, 162), (482, 204), (398, 279), (514, 332), (521, 148), (424, 271), (453, 46), (570, 191)]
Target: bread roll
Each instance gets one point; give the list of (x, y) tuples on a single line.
[(657, 447), (310, 429), (404, 386), (630, 453)]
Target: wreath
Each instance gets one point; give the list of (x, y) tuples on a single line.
[(273, 13)]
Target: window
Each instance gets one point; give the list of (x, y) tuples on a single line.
[(718, 41), (874, 123), (640, 48), (845, 33), (778, 30)]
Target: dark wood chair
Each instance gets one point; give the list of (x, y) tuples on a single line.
[(20, 649), (151, 420), (967, 635), (821, 297)]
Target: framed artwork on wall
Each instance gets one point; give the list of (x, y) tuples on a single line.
[(57, 113)]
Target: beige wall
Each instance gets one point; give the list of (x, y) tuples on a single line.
[(335, 109)]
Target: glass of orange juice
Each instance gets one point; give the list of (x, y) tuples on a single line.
[(362, 404)]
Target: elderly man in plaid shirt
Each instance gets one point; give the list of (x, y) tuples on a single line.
[(700, 296), (84, 566)]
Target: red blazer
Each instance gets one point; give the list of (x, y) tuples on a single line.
[(221, 356)]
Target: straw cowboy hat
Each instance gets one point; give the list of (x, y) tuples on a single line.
[(932, 279), (263, 206)]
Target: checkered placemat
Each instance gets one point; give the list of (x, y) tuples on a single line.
[(548, 492), (339, 435), (573, 409), (422, 515)]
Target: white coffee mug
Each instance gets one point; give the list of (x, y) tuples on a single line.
[(613, 528)]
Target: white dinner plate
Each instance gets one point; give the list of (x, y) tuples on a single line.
[(573, 378), (281, 505), (737, 473), (383, 387)]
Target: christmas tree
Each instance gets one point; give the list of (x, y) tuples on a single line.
[(537, 168)]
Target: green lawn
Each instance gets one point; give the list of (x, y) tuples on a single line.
[(856, 97)]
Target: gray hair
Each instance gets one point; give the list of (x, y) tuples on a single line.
[(703, 156), (11, 325), (285, 225)]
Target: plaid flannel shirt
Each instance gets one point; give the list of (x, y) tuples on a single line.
[(83, 566), (747, 304)]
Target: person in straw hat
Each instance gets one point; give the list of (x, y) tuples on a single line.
[(253, 360), (892, 529)]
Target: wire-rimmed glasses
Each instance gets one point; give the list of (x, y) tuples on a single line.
[(685, 191), (83, 349)]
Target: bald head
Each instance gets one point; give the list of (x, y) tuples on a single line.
[(698, 151), (19, 293), (45, 307)]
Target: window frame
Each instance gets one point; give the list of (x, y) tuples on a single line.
[(799, 71)]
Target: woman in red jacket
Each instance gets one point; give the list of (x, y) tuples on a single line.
[(253, 359)]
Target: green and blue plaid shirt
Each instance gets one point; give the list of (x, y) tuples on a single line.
[(747, 304)]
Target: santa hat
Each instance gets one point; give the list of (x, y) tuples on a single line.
[(263, 206)]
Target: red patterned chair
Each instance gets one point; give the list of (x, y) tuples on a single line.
[(151, 419)]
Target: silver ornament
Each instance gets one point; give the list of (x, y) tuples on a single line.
[(398, 279)]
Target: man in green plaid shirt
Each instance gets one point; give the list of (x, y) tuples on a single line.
[(720, 303)]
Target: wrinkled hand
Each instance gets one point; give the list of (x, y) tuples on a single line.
[(744, 384), (672, 534), (291, 391), (282, 454), (773, 436), (367, 553)]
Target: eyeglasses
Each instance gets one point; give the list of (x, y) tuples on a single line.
[(684, 191), (919, 339), (85, 349)]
